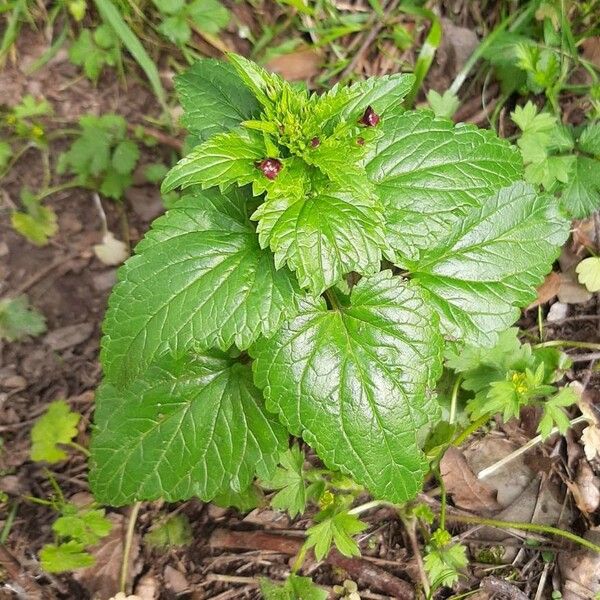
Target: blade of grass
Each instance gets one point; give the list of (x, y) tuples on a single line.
[(50, 53), (12, 29), (428, 50), (110, 14)]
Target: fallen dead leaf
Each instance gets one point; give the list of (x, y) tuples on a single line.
[(509, 481), (462, 484), (585, 488), (558, 311), (111, 251), (69, 336), (147, 587), (591, 434), (581, 570), (175, 580), (300, 65), (102, 579), (547, 290), (571, 291), (591, 50)]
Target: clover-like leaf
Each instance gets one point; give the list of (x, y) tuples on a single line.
[(428, 173), (213, 98), (489, 266), (198, 277), (323, 235), (192, 425), (353, 382)]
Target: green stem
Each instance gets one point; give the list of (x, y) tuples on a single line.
[(533, 527), (58, 188), (299, 561), (333, 299), (568, 344), (454, 399), (80, 448), (10, 519), (472, 428)]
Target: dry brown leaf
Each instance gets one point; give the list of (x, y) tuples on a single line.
[(111, 251), (591, 434), (571, 291), (591, 50), (585, 488), (102, 579), (300, 65), (462, 484), (175, 580), (69, 336), (581, 570), (547, 290)]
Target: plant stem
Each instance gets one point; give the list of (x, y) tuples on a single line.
[(533, 527), (81, 448), (568, 344), (530, 444), (135, 509), (454, 399), (361, 508), (333, 299), (472, 428)]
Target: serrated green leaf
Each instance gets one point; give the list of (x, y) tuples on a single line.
[(443, 105), (294, 588), (193, 425), (200, 277), (58, 425), (58, 558), (383, 94), (352, 382), (175, 530), (429, 173), (581, 196), (169, 7), (323, 236), (589, 140), (222, 160), (209, 15), (87, 526), (588, 273), (337, 529), (38, 224), (213, 98), (18, 319), (289, 480), (244, 501), (444, 561), (490, 264), (176, 29), (554, 415), (125, 157)]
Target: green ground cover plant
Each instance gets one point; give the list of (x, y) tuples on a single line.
[(326, 250)]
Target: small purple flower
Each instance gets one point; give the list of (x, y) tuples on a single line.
[(360, 141), (270, 167), (370, 118), (315, 142)]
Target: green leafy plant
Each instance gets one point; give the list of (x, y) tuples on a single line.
[(102, 157), (57, 426), (94, 50), (208, 16), (326, 250), (510, 375), (562, 159), (37, 223), (294, 588), (76, 530), (444, 560), (18, 319)]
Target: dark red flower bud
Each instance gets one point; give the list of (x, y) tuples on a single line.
[(370, 118), (360, 141), (270, 167), (315, 142)]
